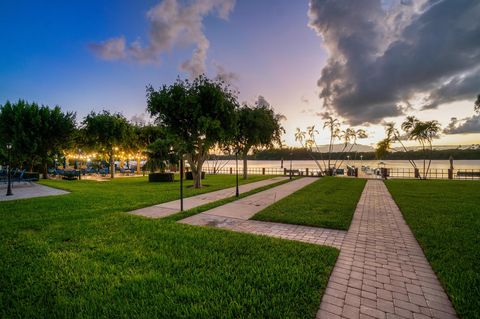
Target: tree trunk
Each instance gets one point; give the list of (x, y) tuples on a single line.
[(112, 166), (45, 170), (245, 168), (138, 164)]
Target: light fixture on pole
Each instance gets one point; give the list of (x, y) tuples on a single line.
[(9, 180)]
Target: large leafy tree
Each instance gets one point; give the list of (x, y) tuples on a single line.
[(37, 133), (198, 114), (258, 127), (107, 132)]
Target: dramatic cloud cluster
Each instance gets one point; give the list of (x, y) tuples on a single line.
[(386, 57), (467, 125), (173, 23)]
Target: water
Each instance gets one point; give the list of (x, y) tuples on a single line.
[(436, 164)]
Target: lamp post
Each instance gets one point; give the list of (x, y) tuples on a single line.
[(237, 192), (9, 181), (291, 157), (181, 183)]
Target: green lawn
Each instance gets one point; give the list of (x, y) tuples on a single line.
[(81, 256), (445, 218), (329, 202)]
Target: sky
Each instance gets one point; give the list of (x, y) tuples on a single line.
[(366, 62)]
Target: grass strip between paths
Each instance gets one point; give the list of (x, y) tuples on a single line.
[(203, 208), (329, 202), (444, 216)]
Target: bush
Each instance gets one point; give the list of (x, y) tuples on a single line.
[(189, 176), (161, 177), (70, 175), (31, 176)]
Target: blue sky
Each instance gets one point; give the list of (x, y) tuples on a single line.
[(45, 56)]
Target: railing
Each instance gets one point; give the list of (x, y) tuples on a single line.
[(434, 173), (264, 171), (396, 173)]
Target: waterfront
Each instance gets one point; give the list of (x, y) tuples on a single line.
[(256, 164)]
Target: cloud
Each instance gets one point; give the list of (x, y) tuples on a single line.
[(384, 54), (223, 74), (112, 49), (464, 126), (173, 23)]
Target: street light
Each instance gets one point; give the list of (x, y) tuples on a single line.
[(9, 181), (291, 157), (237, 192), (181, 183)]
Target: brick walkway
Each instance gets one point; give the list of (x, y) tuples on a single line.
[(381, 271), (313, 235), (173, 207)]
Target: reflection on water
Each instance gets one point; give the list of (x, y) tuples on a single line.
[(436, 164)]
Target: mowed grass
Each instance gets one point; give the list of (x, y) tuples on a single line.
[(329, 202), (445, 218), (81, 256)]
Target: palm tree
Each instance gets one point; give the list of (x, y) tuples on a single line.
[(394, 134), (424, 133), (334, 126), (347, 135), (300, 136)]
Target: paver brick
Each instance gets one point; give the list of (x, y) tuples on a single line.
[(386, 268)]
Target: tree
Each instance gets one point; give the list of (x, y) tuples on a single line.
[(198, 114), (424, 133), (258, 127), (107, 132), (143, 136), (55, 134), (421, 131), (300, 136), (477, 104), (37, 133), (160, 154), (334, 126)]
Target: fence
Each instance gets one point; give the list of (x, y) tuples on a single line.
[(264, 171), (434, 173), (405, 173)]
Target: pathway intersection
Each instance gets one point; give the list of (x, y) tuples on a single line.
[(381, 271)]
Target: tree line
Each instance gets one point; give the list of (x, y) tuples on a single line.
[(191, 118)]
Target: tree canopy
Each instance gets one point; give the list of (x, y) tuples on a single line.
[(198, 114), (37, 133), (105, 132), (258, 127)]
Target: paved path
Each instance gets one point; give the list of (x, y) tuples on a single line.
[(173, 207), (29, 190), (381, 271), (235, 216)]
